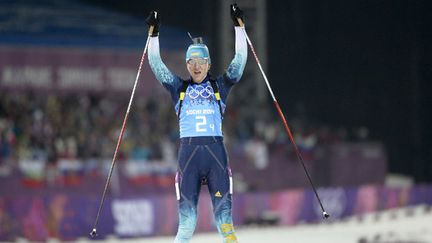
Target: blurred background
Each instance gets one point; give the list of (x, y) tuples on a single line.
[(352, 77)]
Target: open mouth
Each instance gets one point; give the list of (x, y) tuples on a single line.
[(197, 72)]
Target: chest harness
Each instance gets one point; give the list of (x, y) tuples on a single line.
[(183, 94)]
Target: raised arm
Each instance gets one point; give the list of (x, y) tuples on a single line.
[(161, 71), (237, 65)]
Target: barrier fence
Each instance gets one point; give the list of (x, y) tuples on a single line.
[(68, 217)]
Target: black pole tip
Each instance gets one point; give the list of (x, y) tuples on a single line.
[(326, 215), (93, 233)]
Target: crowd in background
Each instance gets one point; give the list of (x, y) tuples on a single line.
[(48, 127), (78, 126)]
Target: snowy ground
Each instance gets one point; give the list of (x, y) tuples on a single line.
[(401, 225)]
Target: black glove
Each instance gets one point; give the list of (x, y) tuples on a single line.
[(153, 20), (236, 13)]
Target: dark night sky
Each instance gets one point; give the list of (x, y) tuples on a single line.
[(359, 64), (352, 63)]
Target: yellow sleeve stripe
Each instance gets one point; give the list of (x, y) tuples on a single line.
[(217, 96), (182, 95)]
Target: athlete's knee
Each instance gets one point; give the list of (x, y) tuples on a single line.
[(228, 234)]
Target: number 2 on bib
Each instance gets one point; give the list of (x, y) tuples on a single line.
[(200, 125)]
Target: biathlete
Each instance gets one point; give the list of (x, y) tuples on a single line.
[(200, 103)]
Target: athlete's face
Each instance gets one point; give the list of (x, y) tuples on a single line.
[(198, 69)]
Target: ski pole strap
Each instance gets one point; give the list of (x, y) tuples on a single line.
[(183, 94)]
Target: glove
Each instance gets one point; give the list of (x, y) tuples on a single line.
[(153, 20), (236, 13)]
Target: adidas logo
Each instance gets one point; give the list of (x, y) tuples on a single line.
[(218, 194)]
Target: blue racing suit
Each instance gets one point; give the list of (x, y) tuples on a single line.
[(202, 154)]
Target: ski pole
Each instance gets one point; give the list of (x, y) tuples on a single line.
[(93, 233), (287, 129)]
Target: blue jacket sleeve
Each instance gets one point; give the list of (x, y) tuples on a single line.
[(170, 81), (237, 65)]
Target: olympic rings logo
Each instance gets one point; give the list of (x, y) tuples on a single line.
[(200, 91)]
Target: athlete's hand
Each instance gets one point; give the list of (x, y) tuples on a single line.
[(153, 21), (236, 15)]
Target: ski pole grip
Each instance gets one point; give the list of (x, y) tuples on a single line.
[(240, 22), (150, 32)]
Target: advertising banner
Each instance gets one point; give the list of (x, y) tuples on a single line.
[(69, 217), (79, 69)]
